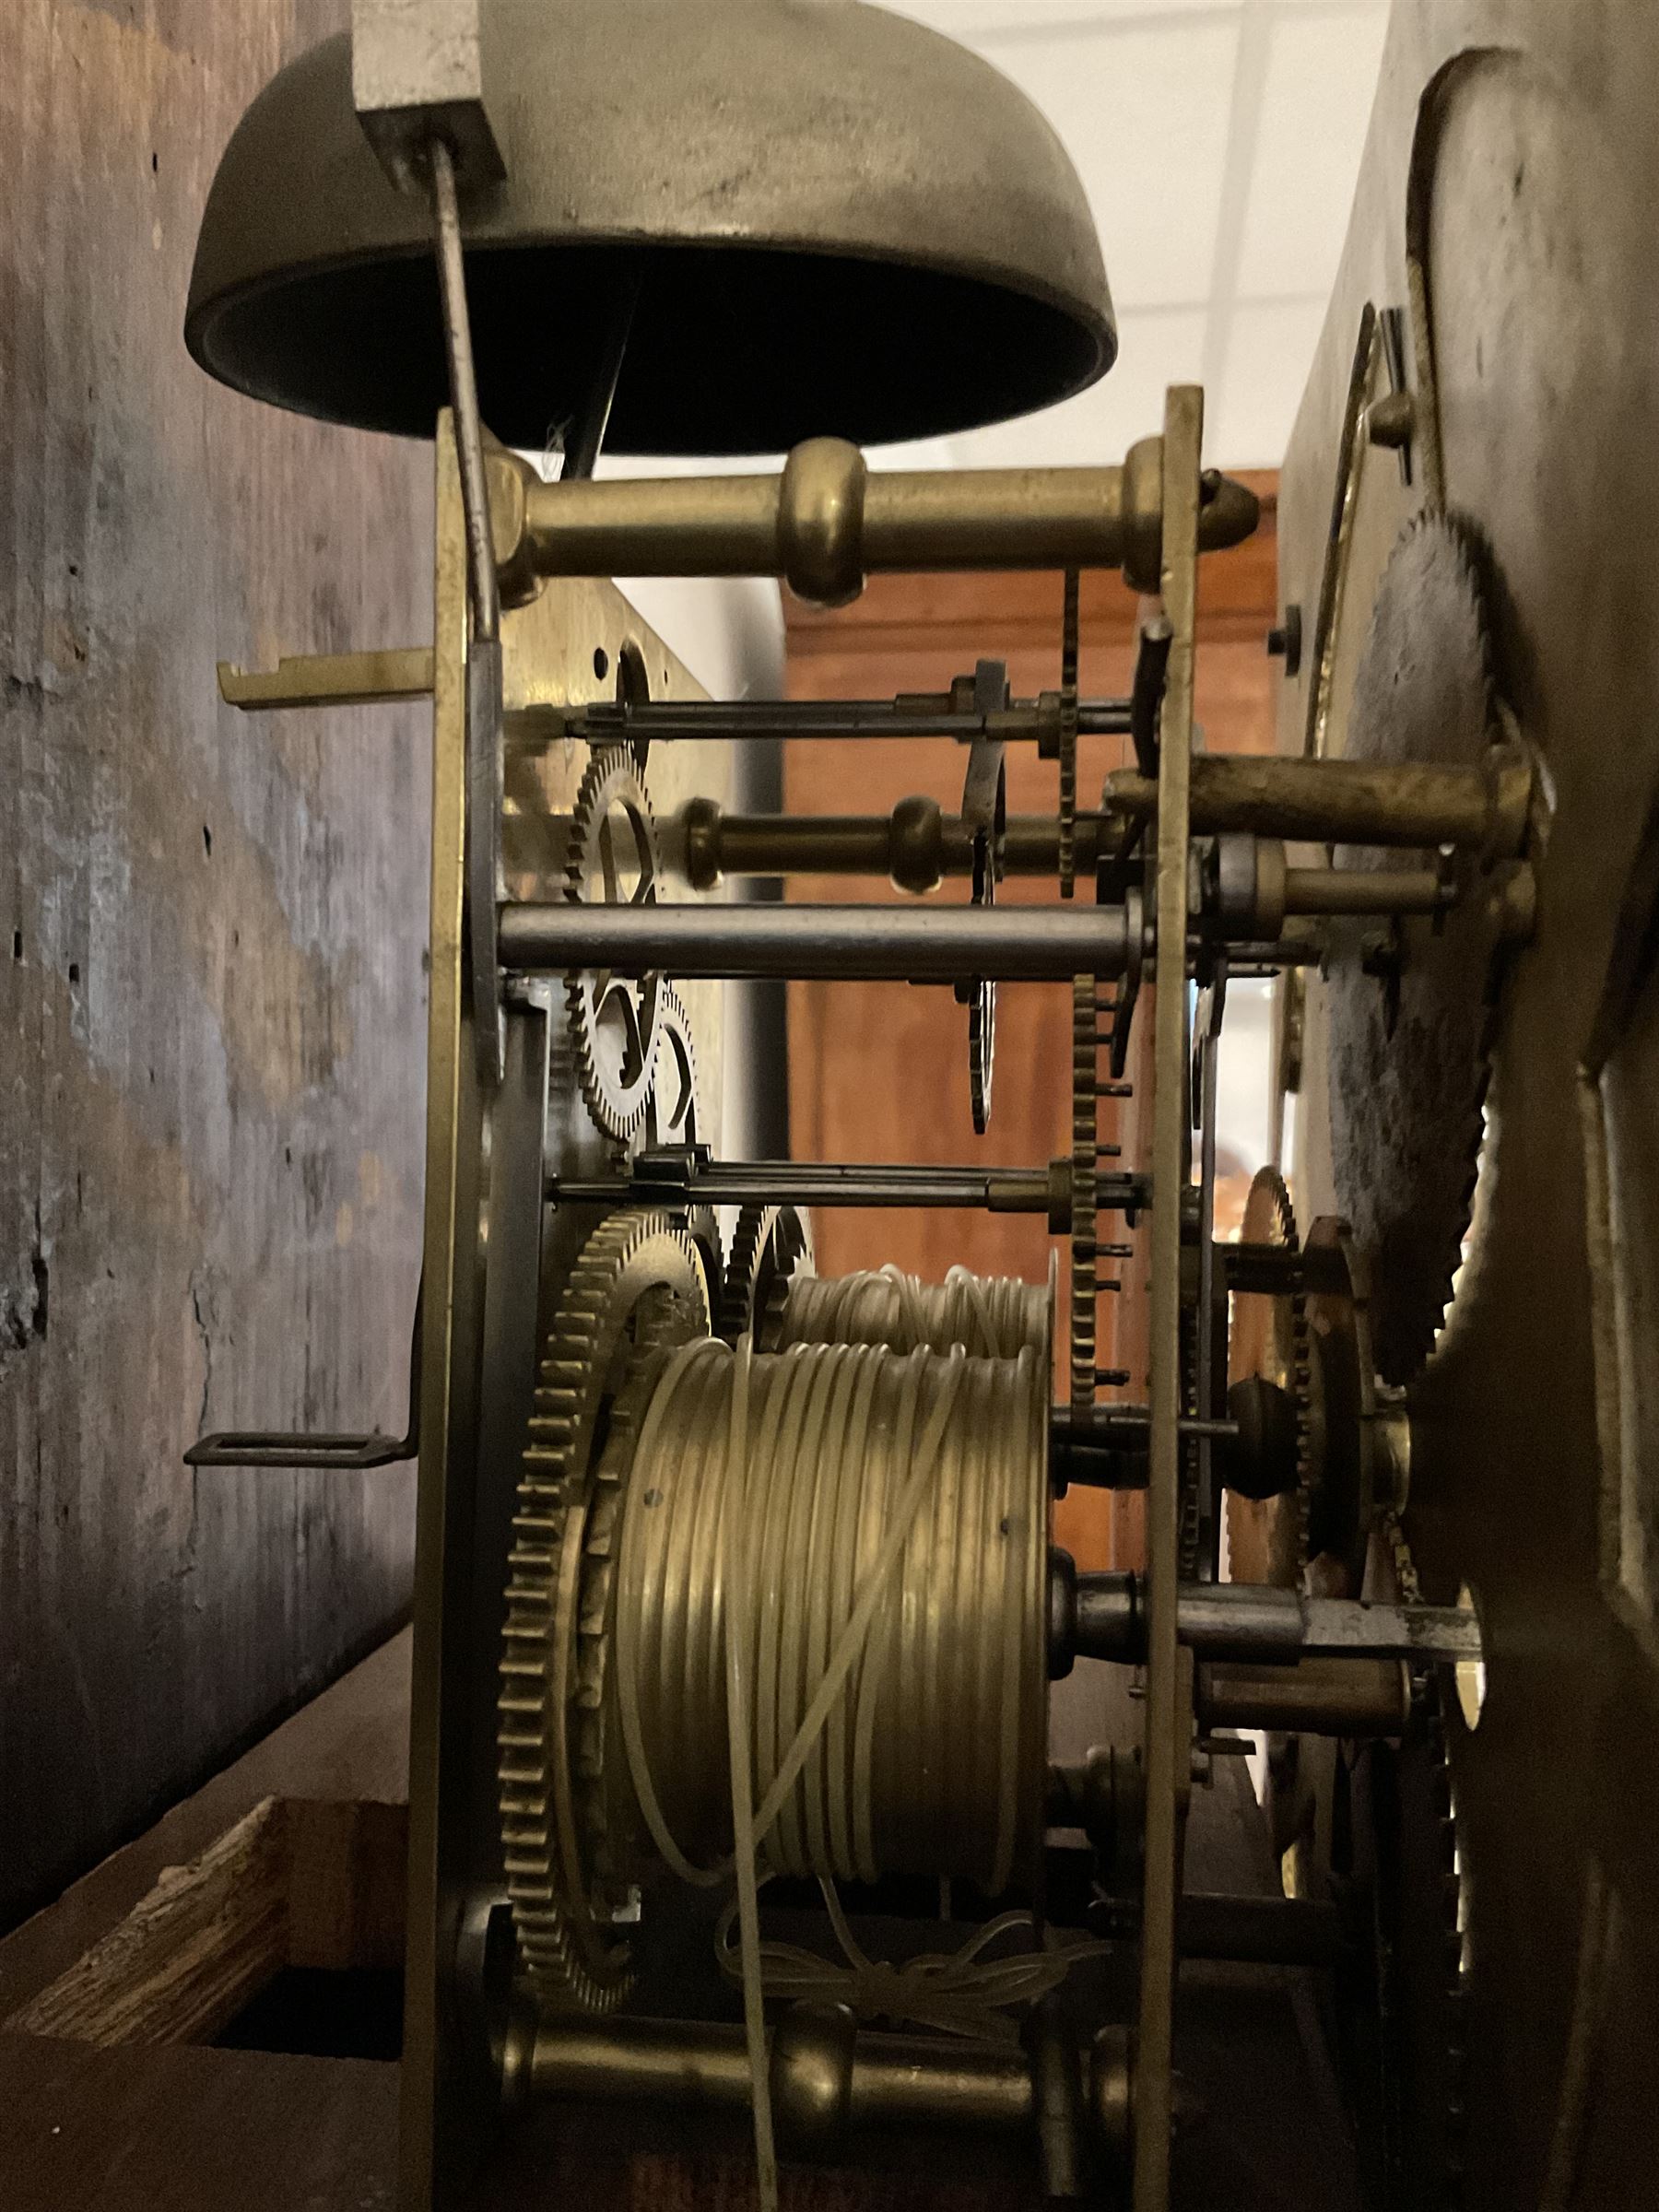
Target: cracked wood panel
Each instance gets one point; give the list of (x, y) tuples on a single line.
[(212, 934)]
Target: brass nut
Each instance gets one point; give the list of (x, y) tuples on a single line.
[(700, 827), (1112, 2093), (1271, 872), (811, 2076), (820, 522), (514, 2057), (1060, 1196), (1511, 781), (1388, 1431), (507, 479), (1143, 516), (1514, 903), (916, 846), (1392, 421)]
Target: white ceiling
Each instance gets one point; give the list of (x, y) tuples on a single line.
[(1218, 141)]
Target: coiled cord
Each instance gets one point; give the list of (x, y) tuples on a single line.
[(830, 1588), (877, 1522), (991, 1317), (959, 1993)]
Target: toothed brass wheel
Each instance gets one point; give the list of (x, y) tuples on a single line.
[(615, 1020), (1413, 1011), (1407, 2022), (636, 1291), (1268, 1344), (1086, 1068), (676, 1118), (770, 1245)]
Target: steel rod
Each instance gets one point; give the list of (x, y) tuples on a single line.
[(704, 720), (1259, 1931), (463, 395), (1340, 1628), (905, 944), (1114, 1457), (788, 1182), (814, 844), (1123, 1427), (919, 847)]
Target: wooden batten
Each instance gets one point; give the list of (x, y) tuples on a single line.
[(293, 1883)]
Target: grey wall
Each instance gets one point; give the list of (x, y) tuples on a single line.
[(211, 955)]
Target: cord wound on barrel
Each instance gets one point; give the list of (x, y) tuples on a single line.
[(990, 1316), (740, 1776), (890, 1610), (830, 1590)]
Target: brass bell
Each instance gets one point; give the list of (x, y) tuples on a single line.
[(822, 218)]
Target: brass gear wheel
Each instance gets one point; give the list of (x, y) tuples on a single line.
[(1413, 1015), (982, 1051), (675, 1114), (674, 1118), (1068, 734), (637, 1289), (1412, 2090), (984, 810), (770, 1246), (1085, 1046), (614, 1022), (1086, 1250), (1267, 1538)]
